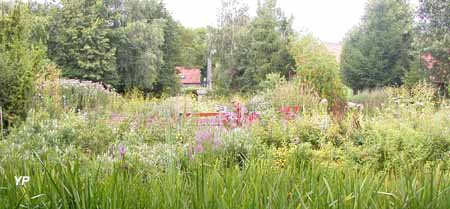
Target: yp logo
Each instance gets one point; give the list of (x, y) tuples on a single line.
[(21, 180)]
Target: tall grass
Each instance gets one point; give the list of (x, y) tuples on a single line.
[(209, 185), (372, 100)]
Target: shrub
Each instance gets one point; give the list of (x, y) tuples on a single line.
[(318, 68)]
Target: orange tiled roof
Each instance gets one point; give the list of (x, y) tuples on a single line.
[(189, 75)]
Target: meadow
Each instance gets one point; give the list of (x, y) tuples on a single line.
[(87, 147)]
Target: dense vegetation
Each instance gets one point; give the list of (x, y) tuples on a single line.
[(376, 53), (91, 109), (134, 152), (389, 49)]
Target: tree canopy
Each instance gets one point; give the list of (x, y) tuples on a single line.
[(377, 52), (251, 48), (434, 41)]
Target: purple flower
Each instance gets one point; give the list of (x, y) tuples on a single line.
[(203, 136), (198, 148), (122, 151)]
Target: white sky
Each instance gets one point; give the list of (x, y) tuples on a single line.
[(329, 20)]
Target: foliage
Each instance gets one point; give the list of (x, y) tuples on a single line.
[(416, 74), (377, 52), (317, 67), (139, 53), (194, 47), (372, 100), (79, 42), (128, 44), (168, 79), (228, 40), (272, 81), (21, 60), (253, 48), (283, 94), (434, 38), (259, 184), (266, 44), (85, 146)]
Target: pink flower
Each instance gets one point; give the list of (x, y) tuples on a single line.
[(198, 149)]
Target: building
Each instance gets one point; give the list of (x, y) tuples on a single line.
[(190, 77)]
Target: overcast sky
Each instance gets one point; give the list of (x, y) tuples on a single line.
[(329, 20)]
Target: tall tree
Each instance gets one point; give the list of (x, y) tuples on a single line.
[(194, 46), (434, 41), (21, 59), (169, 81), (79, 41), (139, 56), (377, 52), (249, 49), (139, 41), (166, 50), (267, 43), (228, 40)]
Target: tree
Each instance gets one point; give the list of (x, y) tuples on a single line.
[(130, 44), (248, 50), (139, 55), (228, 40), (434, 41), (79, 42), (377, 52), (194, 46), (139, 40), (317, 67), (267, 46), (169, 81), (21, 60), (168, 51)]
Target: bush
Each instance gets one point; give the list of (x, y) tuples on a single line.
[(318, 68)]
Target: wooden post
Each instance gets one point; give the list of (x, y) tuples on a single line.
[(209, 72), (210, 52)]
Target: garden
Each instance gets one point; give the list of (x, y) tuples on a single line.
[(96, 113), (85, 147)]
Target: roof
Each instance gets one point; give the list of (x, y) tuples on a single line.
[(189, 75)]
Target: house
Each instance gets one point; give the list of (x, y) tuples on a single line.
[(190, 77)]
